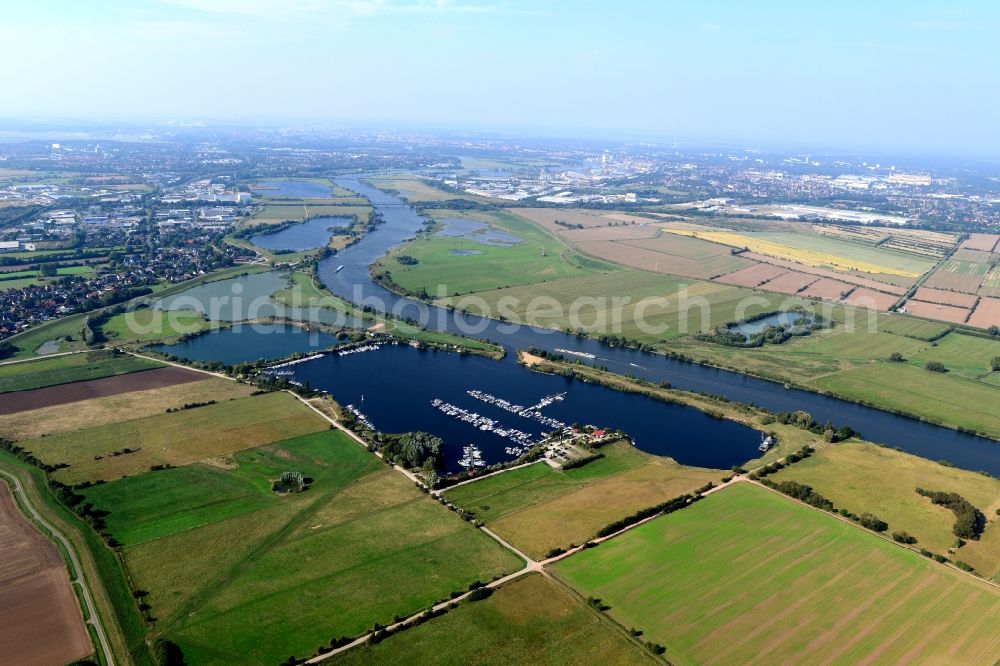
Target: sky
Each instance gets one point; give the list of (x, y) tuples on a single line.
[(917, 76)]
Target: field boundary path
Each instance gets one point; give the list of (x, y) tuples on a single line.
[(94, 619)]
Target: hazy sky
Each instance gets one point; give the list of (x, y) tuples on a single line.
[(916, 75)]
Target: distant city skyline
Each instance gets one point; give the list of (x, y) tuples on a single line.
[(918, 77)]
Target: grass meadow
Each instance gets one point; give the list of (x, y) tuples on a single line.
[(749, 576), (529, 621), (177, 438), (538, 508), (227, 562), (866, 478)]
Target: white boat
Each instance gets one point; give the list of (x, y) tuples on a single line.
[(339, 268), (576, 353)]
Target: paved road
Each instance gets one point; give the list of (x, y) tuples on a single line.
[(88, 598)]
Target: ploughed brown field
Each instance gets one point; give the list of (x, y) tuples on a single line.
[(752, 276), (61, 394), (986, 314), (949, 313), (827, 289), (984, 242), (869, 298), (40, 620), (791, 282), (945, 297)]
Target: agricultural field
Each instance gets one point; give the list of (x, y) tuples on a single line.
[(813, 250), (178, 438), (867, 478), (981, 242), (535, 258), (531, 620), (40, 615), (948, 313), (986, 314), (538, 508), (750, 575), (360, 545), (71, 368), (135, 403), (19, 401), (990, 285), (957, 275)]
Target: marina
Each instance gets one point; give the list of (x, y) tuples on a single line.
[(484, 423), (526, 412)]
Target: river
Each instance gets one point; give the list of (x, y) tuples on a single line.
[(401, 222)]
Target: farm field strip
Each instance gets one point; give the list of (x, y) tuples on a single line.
[(60, 394), (179, 438), (68, 368)]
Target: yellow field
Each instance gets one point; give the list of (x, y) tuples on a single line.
[(802, 256)]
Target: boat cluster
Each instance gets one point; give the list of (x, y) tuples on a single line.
[(471, 457), (360, 417), (526, 412), (483, 422), (288, 364), (359, 350)]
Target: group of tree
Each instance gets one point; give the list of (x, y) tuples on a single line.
[(413, 449), (969, 521)]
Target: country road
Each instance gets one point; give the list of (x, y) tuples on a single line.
[(94, 619)]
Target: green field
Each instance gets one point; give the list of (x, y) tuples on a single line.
[(227, 562), (749, 576), (922, 329), (529, 621), (943, 398), (148, 325), (669, 306), (964, 355), (538, 508), (177, 438), (538, 257), (69, 368), (865, 478)]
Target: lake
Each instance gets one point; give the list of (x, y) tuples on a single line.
[(390, 386), (249, 342), (460, 227), (307, 235), (292, 189)]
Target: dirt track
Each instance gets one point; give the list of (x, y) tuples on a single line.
[(61, 394), (40, 614)]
